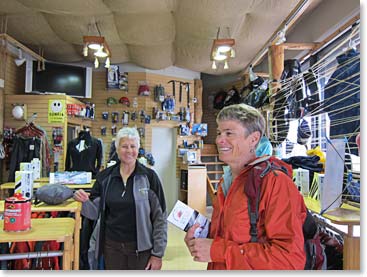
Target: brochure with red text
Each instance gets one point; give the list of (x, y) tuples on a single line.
[(183, 217)]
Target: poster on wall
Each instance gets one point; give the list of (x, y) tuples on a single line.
[(56, 111), (116, 79), (113, 74)]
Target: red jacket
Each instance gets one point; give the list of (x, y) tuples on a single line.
[(281, 215)]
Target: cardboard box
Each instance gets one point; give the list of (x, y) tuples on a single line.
[(24, 183), (36, 167), (71, 177), (303, 181)]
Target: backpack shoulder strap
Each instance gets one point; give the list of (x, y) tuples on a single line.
[(253, 189)]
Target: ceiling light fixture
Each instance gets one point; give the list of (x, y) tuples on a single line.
[(214, 65), (99, 45), (281, 36), (20, 59), (226, 65), (107, 63), (222, 50)]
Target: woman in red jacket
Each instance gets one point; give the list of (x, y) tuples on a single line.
[(280, 243)]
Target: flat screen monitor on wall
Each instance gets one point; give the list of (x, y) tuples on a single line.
[(75, 81)]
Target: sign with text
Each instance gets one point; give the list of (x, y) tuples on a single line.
[(56, 111)]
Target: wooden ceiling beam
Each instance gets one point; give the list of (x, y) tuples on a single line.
[(299, 46), (17, 44)]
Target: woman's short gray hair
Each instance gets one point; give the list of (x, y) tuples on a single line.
[(248, 116), (127, 132)]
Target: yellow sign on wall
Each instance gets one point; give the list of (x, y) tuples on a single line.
[(56, 111)]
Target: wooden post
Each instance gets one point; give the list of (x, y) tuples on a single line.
[(276, 65), (198, 106)]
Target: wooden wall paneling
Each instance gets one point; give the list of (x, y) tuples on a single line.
[(153, 80), (146, 103), (35, 104), (39, 104), (14, 79), (99, 98), (198, 92), (14, 76), (2, 100), (3, 58)]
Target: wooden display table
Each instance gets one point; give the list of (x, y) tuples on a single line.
[(45, 229), (345, 215), (42, 180), (68, 206)]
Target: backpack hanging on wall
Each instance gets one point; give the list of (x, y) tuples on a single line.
[(159, 93), (219, 98), (143, 89), (232, 97), (169, 104)]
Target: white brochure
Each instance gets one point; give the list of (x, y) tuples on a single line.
[(183, 217)]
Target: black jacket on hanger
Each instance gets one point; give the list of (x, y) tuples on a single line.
[(342, 98), (24, 150), (88, 158)]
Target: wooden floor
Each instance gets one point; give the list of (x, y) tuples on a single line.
[(177, 256)]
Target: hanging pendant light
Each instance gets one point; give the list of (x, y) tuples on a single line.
[(99, 44), (226, 65), (100, 53), (222, 50), (214, 66), (233, 53), (94, 46), (107, 63), (85, 51)]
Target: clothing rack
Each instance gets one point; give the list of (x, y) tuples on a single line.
[(31, 255), (31, 119)]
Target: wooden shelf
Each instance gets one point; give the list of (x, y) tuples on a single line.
[(79, 121), (215, 172), (210, 163)]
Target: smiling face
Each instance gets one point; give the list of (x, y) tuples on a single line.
[(56, 106), (235, 146), (128, 151)]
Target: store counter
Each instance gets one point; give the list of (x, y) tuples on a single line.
[(45, 229), (346, 215)]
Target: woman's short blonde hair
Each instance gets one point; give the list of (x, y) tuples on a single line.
[(250, 118), (127, 132)]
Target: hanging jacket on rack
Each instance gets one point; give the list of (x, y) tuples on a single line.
[(84, 154), (342, 98), (24, 150), (30, 142), (288, 98), (298, 96)]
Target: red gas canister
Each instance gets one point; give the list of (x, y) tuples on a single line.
[(17, 213)]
